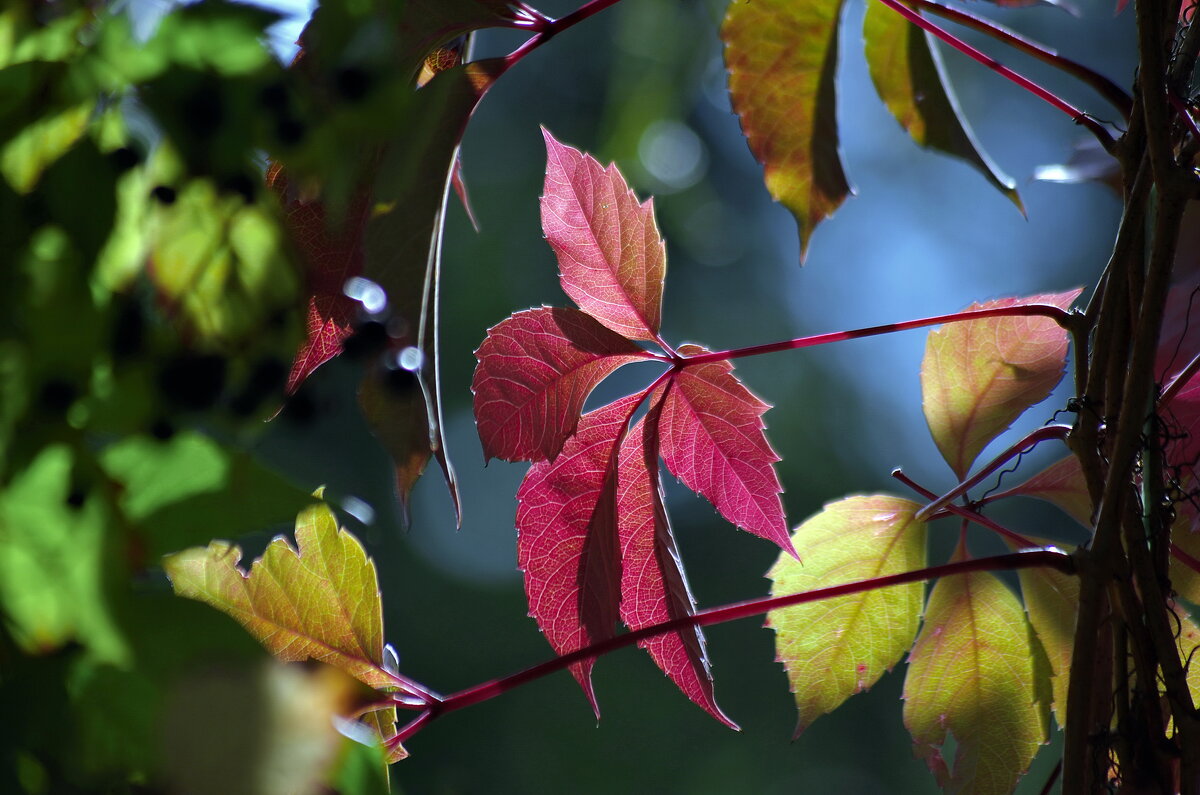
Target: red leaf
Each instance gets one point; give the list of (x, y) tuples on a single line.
[(567, 537), (331, 255), (611, 259), (536, 368), (712, 439), (1178, 344), (653, 586)]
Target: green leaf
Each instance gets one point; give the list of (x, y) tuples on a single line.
[(835, 648), (1051, 601), (782, 58), (971, 674), (978, 376), (906, 67), (54, 561), (318, 601), (179, 490), (222, 265), (24, 157)]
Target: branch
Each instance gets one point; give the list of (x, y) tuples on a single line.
[(549, 28), (1060, 316), (1026, 444), (1079, 117), (966, 513), (1117, 96), (1179, 382), (1033, 558)]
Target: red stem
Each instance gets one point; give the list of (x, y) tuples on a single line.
[(965, 513), (1185, 558), (1038, 91), (1106, 88), (1059, 316), (1180, 381), (552, 27), (1023, 446), (488, 690)]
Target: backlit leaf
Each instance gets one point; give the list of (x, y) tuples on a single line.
[(318, 601), (971, 675), (332, 254), (906, 67), (536, 369), (712, 438), (611, 259), (835, 648), (567, 541), (1062, 484), (1051, 601), (653, 586), (980, 375), (782, 58)]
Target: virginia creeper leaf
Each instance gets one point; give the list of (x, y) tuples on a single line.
[(711, 431), (1051, 601), (567, 541), (536, 368), (654, 588), (318, 601), (611, 259), (1062, 484), (971, 674), (1185, 579), (906, 67), (980, 375), (332, 254), (1179, 343), (782, 59), (835, 648)]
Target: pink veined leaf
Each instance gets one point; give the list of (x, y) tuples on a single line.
[(711, 432), (332, 255), (536, 369), (978, 376), (611, 259), (567, 537), (653, 586)]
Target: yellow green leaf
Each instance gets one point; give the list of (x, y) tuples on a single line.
[(978, 376), (835, 648), (25, 156), (911, 79), (1051, 601), (318, 601), (782, 59), (971, 675)]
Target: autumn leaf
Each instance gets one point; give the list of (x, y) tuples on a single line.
[(971, 674), (611, 259), (835, 648), (980, 375), (536, 369), (653, 586), (907, 70), (1051, 602), (1062, 484), (782, 58), (332, 254), (711, 432), (318, 601), (567, 541)]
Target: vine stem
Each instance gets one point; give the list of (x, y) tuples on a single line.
[(549, 28), (1079, 117), (1026, 444), (1117, 96), (965, 513), (1180, 381), (1060, 316), (1025, 559)]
